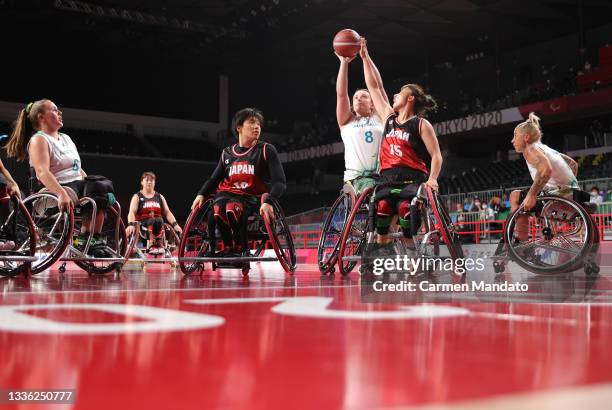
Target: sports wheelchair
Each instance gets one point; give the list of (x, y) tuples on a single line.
[(333, 228), (169, 240), (17, 237), (195, 246), (561, 237), (57, 234), (430, 224)]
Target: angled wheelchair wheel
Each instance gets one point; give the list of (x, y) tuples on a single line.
[(355, 234), (172, 240), (281, 239), (195, 241), (53, 229), (444, 225), (559, 236), (17, 237), (115, 245), (427, 238), (331, 233)]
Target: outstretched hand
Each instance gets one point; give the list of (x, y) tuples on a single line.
[(363, 52), (345, 59)]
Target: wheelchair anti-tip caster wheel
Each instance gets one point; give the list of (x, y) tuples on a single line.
[(245, 271), (591, 269), (62, 269), (498, 266)]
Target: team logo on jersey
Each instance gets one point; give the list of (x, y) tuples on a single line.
[(242, 168), (227, 161), (399, 134)]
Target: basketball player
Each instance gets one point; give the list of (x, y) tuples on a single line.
[(244, 172), (360, 128), (408, 140), (553, 173), (150, 208)]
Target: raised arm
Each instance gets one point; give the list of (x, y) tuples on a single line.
[(374, 83), (343, 102), (431, 143)]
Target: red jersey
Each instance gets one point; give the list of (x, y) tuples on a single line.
[(402, 146), (149, 207), (245, 172)]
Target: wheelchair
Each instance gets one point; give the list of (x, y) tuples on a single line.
[(195, 246), (333, 228), (430, 223), (562, 237), (17, 237), (57, 234), (170, 243)]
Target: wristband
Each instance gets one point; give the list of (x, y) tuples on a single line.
[(133, 223), (174, 224)]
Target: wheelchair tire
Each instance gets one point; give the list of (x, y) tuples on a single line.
[(445, 225), (24, 235), (195, 232), (281, 239), (50, 245), (577, 211), (327, 256), (355, 238)]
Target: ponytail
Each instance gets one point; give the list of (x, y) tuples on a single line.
[(531, 127), (23, 128), (423, 103)]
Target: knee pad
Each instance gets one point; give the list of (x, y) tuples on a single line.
[(219, 213), (101, 190), (234, 211), (158, 223), (403, 211), (383, 208)]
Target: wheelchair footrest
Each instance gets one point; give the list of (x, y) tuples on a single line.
[(229, 259), (90, 259), (17, 258)]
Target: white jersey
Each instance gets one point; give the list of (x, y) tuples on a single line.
[(361, 137), (64, 159), (562, 179)]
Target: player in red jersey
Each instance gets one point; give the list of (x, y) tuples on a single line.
[(244, 172), (409, 140), (150, 208)]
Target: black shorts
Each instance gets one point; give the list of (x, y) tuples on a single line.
[(249, 202)]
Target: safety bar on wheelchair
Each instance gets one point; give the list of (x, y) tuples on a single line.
[(90, 259), (229, 259), (16, 258)]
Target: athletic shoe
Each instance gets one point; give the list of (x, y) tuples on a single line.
[(7, 245)]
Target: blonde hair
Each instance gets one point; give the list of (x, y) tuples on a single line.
[(23, 128), (531, 127)]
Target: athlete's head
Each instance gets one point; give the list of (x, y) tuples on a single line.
[(412, 98), (147, 181), (363, 105), (247, 124), (41, 115), (527, 132)]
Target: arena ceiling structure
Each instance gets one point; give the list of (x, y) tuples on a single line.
[(293, 32)]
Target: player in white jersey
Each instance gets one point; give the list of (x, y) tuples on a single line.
[(552, 172), (56, 160), (360, 128)]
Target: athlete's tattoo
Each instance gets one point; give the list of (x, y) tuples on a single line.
[(539, 182)]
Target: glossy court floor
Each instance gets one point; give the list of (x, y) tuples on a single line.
[(158, 340)]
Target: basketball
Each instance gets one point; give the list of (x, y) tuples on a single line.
[(347, 43)]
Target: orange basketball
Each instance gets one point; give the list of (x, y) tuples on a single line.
[(347, 43)]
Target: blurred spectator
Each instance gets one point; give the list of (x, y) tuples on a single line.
[(476, 206), (597, 133), (596, 197)]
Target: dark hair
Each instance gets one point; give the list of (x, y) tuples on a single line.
[(244, 114), (148, 174), (423, 103)]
